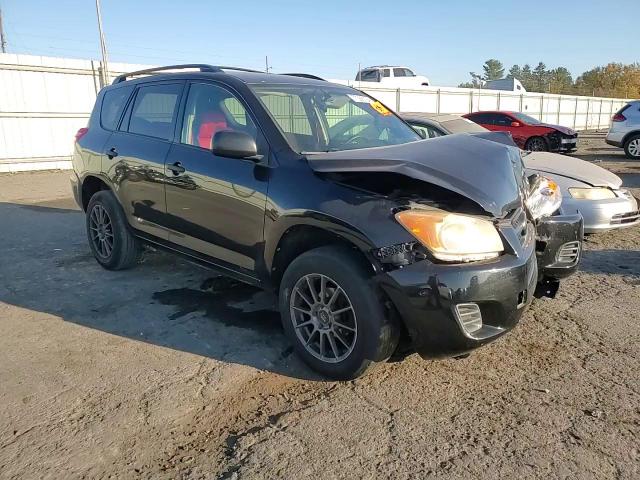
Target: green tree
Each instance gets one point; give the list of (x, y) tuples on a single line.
[(560, 81), (515, 72), (493, 70), (540, 78), (527, 77)]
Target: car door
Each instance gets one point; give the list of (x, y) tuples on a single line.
[(216, 205), (136, 153)]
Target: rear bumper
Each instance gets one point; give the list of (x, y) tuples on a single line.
[(615, 143), (426, 295), (75, 188)]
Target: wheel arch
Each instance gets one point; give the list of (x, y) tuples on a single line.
[(92, 184), (298, 238), (628, 136)]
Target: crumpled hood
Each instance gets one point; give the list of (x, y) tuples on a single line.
[(560, 128), (570, 167), (475, 167)]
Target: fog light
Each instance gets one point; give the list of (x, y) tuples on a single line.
[(469, 317)]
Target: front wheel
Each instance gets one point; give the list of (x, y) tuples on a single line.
[(333, 315), (536, 144), (632, 147)]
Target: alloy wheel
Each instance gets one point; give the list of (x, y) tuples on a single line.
[(323, 318), (537, 145), (101, 231), (634, 147)]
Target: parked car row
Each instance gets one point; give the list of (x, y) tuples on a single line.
[(592, 190), (376, 241)]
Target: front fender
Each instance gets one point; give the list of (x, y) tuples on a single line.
[(308, 218)]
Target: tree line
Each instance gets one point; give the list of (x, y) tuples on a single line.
[(613, 80)]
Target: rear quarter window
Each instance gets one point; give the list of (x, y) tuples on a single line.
[(113, 104)]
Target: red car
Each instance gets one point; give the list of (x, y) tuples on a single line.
[(527, 132)]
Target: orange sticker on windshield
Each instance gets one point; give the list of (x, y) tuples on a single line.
[(380, 108)]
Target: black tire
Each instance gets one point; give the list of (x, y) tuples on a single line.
[(536, 144), (377, 333), (125, 248), (632, 147)]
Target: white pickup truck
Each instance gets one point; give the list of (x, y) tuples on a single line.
[(392, 76)]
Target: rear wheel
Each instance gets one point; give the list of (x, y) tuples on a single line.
[(333, 315), (111, 242), (536, 144), (632, 147)]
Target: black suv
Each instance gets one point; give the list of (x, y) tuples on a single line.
[(376, 241)]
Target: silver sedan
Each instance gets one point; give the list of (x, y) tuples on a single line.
[(592, 190)]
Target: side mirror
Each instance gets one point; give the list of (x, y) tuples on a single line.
[(235, 145), (516, 124)]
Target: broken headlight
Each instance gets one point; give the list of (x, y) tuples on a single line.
[(544, 198), (452, 237)]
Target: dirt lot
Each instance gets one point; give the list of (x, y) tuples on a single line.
[(169, 371)]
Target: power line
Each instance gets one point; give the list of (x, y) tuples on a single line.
[(103, 47), (3, 39)]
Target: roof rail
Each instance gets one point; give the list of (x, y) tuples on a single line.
[(304, 75), (203, 67)]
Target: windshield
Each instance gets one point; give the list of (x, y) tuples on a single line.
[(329, 118), (462, 125), (526, 118)]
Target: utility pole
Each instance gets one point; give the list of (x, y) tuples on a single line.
[(266, 64), (3, 39), (103, 47)]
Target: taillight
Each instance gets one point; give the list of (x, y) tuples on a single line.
[(618, 117), (81, 133)]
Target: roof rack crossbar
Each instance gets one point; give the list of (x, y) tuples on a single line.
[(203, 68)]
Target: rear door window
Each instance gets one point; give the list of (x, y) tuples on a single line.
[(483, 118), (113, 104), (154, 110)]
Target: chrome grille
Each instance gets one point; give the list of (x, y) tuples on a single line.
[(622, 218), (568, 253), (519, 224)]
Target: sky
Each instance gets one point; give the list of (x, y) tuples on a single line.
[(443, 40)]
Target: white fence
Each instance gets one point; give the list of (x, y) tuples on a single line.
[(45, 100)]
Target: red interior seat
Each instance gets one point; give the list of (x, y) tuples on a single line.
[(208, 125)]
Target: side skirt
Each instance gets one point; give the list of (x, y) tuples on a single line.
[(200, 259)]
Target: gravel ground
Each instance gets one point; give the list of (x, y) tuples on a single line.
[(168, 371)]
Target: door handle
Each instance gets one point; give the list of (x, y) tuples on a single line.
[(176, 168), (112, 153)]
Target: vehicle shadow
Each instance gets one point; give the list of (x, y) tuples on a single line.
[(165, 301), (613, 262)]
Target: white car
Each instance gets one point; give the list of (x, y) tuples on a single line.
[(392, 76), (625, 129)]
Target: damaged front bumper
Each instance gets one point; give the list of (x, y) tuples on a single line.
[(451, 309), (559, 245), (441, 304)]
